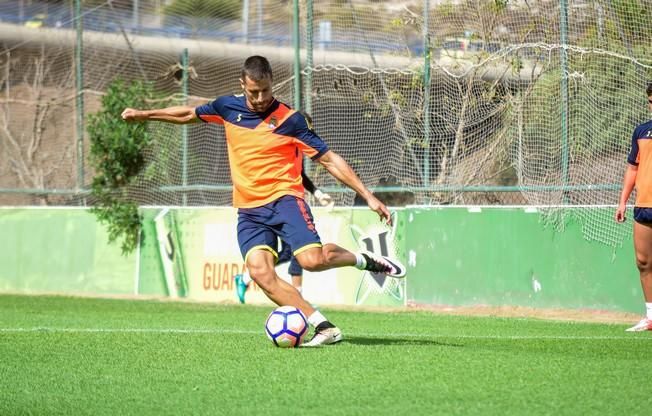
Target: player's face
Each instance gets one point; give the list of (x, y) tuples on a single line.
[(649, 102), (258, 93)]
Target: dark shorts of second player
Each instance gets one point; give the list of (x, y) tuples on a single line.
[(643, 215), (287, 218), (285, 255)]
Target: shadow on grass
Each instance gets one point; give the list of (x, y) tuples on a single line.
[(398, 341)]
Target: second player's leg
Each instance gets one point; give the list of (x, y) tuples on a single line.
[(297, 282), (260, 264), (284, 253), (296, 274)]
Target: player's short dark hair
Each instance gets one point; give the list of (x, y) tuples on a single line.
[(256, 68), (649, 89)]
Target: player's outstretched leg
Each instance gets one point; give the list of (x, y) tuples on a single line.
[(644, 325), (381, 264)]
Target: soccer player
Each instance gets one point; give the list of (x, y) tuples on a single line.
[(243, 280), (265, 141), (639, 175)]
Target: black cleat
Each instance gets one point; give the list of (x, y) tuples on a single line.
[(385, 265)]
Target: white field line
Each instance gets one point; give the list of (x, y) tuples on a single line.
[(399, 336)]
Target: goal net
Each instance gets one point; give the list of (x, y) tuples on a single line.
[(470, 102)]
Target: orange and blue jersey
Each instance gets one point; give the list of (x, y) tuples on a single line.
[(641, 156), (265, 149)]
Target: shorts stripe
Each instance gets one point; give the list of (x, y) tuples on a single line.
[(304, 213), (262, 247), (306, 247)]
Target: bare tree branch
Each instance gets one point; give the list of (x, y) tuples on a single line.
[(25, 122)]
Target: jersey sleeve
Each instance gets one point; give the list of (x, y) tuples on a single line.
[(632, 158), (309, 143), (212, 112)]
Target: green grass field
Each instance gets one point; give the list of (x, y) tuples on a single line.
[(76, 356)]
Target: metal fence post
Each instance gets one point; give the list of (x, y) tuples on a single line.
[(184, 128), (297, 56), (426, 94), (309, 49), (79, 83), (563, 35)]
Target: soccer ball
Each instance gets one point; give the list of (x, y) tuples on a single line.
[(286, 326)]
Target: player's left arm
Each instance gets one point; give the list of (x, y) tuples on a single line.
[(343, 172)]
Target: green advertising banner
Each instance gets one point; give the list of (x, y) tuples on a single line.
[(194, 253), (63, 251), (458, 256), (507, 256)]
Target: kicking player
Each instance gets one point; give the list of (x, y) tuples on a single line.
[(639, 175), (243, 280), (265, 141)]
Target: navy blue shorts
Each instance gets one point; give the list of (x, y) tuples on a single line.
[(285, 255), (288, 218), (643, 215)]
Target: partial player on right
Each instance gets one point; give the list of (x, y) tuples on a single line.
[(639, 175)]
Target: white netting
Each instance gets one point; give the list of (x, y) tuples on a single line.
[(523, 105)]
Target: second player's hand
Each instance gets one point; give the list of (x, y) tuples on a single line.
[(323, 198), (620, 213), (380, 209)]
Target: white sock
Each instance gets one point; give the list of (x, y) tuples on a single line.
[(648, 307), (360, 262), (246, 278), (316, 318)]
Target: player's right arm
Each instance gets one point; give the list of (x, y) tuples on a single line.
[(628, 186), (176, 115), (314, 147), (342, 171), (629, 180)]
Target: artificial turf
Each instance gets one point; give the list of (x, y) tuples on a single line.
[(78, 356)]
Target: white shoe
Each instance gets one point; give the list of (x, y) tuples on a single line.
[(325, 336), (644, 325), (383, 264)]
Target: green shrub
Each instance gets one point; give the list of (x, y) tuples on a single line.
[(116, 154)]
